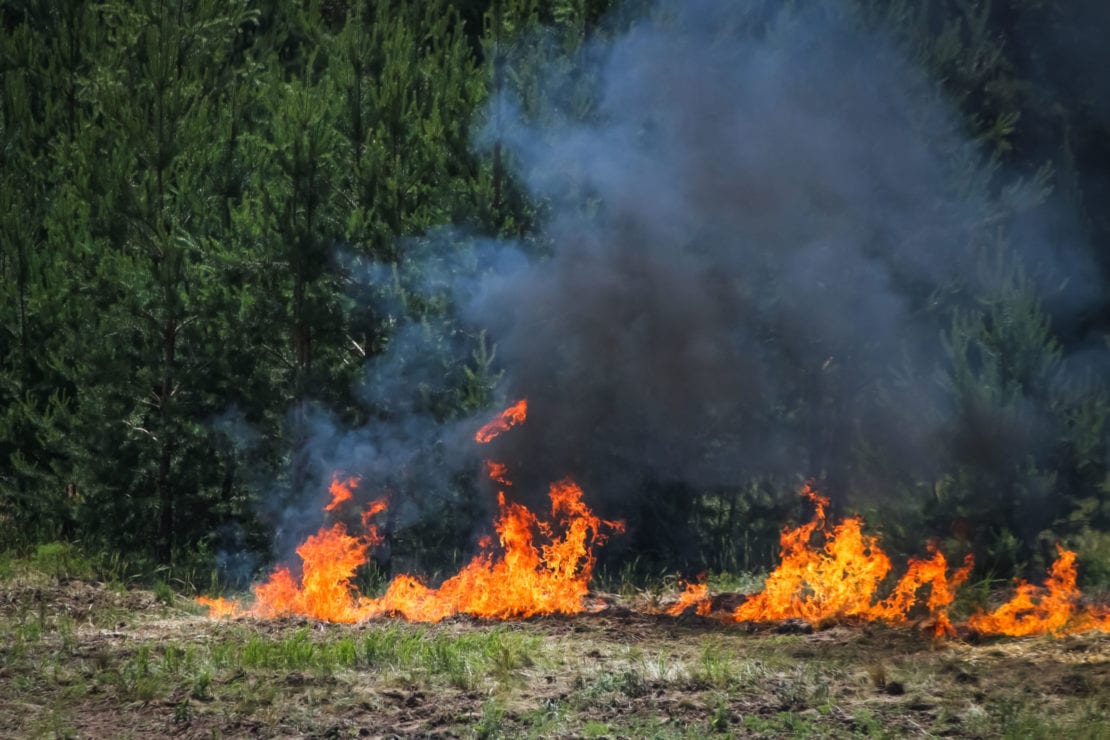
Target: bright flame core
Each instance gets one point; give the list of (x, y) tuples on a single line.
[(513, 579), (518, 578), (1053, 608), (521, 580), (841, 578)]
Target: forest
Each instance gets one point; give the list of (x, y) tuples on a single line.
[(722, 248)]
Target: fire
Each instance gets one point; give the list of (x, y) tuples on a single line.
[(520, 579), (498, 472), (1053, 608), (933, 573), (329, 560), (544, 566), (841, 579), (340, 491), (536, 566), (372, 510), (504, 421), (515, 580), (219, 607), (694, 595)]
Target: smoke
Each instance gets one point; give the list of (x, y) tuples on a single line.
[(750, 223), (749, 228), (770, 210)]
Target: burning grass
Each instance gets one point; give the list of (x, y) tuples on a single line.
[(538, 566), (828, 572), (821, 650), (89, 661), (519, 578)]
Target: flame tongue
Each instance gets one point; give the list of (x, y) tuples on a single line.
[(340, 492), (507, 419), (514, 579), (522, 580), (329, 561), (1052, 608), (837, 580), (942, 590), (497, 472), (219, 607), (842, 577), (694, 595)]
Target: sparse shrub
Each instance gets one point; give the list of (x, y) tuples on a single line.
[(61, 560), (7, 566), (202, 682), (490, 725), (173, 659), (1093, 548), (163, 593), (714, 668), (877, 672), (183, 712), (596, 729), (721, 718)]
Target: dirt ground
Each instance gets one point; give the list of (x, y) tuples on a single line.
[(81, 659)]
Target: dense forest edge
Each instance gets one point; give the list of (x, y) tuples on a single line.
[(233, 235)]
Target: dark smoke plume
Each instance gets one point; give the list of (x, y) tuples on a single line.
[(748, 234), (749, 230)]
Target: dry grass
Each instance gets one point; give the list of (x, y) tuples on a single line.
[(81, 660)]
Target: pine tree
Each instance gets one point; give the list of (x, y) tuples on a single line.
[(139, 170)]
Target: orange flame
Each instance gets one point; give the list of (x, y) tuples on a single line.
[(842, 578), (507, 419), (330, 558), (498, 472), (340, 491), (933, 573), (329, 561), (375, 508), (514, 579), (695, 595), (219, 607), (522, 579), (1053, 608)]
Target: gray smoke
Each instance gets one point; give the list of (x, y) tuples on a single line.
[(748, 231), (750, 221)]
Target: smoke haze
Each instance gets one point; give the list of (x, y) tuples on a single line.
[(774, 207), (746, 235)]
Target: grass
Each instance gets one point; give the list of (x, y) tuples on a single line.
[(87, 659)]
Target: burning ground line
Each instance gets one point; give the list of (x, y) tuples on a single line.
[(837, 581), (513, 580), (840, 580)]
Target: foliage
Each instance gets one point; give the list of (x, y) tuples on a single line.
[(189, 193)]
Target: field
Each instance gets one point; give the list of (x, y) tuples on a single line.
[(85, 659)]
